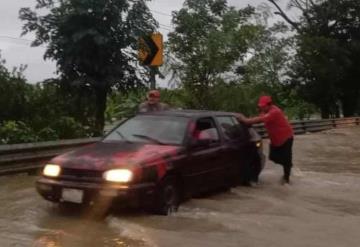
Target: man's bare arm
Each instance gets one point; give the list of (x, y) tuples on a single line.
[(249, 121)]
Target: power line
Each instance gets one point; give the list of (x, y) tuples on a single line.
[(28, 41), (159, 12), (165, 29), (163, 25), (152, 10), (14, 38)]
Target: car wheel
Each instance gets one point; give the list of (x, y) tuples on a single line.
[(168, 200)]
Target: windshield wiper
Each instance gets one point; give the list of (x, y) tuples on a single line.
[(122, 136), (150, 139)]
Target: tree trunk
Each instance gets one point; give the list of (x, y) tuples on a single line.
[(337, 111), (325, 112), (101, 96), (349, 105)]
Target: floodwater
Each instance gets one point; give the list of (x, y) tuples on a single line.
[(320, 209)]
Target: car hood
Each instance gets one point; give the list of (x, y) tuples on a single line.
[(108, 155)]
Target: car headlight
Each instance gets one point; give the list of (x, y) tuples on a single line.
[(51, 170), (118, 175)]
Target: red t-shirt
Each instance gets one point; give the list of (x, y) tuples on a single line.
[(277, 126)]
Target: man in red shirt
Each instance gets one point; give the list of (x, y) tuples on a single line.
[(280, 133)]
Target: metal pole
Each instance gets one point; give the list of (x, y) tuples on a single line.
[(152, 77)]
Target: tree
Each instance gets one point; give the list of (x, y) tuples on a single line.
[(269, 59), (50, 100), (328, 53), (267, 71), (209, 40), (93, 42), (13, 93)]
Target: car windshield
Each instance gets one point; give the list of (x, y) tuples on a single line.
[(152, 129)]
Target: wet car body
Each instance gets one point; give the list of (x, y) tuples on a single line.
[(192, 152)]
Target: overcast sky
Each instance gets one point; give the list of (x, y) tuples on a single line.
[(18, 51)]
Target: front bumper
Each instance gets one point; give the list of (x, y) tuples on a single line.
[(52, 190)]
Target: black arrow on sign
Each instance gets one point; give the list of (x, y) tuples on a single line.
[(153, 50)]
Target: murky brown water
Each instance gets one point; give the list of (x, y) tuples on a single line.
[(321, 209)]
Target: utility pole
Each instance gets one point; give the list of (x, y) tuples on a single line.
[(153, 71)]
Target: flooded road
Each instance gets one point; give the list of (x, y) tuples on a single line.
[(321, 208)]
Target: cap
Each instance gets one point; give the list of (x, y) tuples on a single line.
[(264, 101), (154, 93)]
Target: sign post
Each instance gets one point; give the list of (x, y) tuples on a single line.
[(151, 54)]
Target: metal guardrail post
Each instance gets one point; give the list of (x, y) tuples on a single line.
[(333, 123), (303, 124)]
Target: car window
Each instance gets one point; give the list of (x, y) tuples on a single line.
[(205, 128), (232, 129), (152, 129), (225, 122)]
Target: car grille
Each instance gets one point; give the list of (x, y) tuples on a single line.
[(81, 175)]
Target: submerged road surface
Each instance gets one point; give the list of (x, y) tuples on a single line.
[(320, 209)]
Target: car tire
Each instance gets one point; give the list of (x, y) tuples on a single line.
[(167, 197)]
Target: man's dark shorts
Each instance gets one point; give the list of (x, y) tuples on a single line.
[(282, 154)]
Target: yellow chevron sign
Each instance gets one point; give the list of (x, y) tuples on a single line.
[(151, 49)]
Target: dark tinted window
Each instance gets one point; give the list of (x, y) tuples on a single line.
[(226, 122), (232, 129)]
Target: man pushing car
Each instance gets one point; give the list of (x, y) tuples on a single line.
[(279, 130)]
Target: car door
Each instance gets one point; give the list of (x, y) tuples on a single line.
[(235, 146), (203, 160)]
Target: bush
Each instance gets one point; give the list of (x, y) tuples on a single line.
[(48, 134), (12, 132), (67, 128)]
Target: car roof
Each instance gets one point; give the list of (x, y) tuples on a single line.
[(188, 113)]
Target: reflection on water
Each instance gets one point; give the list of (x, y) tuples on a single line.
[(28, 220), (73, 228)]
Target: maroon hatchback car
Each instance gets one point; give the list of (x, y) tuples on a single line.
[(156, 160)]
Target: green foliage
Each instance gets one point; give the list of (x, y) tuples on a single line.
[(126, 105), (49, 134), (93, 42), (53, 99), (66, 128), (12, 132), (41, 112), (13, 93), (121, 106), (325, 69), (208, 40), (235, 97), (269, 58), (57, 113), (16, 132), (176, 98)]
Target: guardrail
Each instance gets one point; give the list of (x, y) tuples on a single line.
[(29, 157), (302, 127), (18, 158)]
